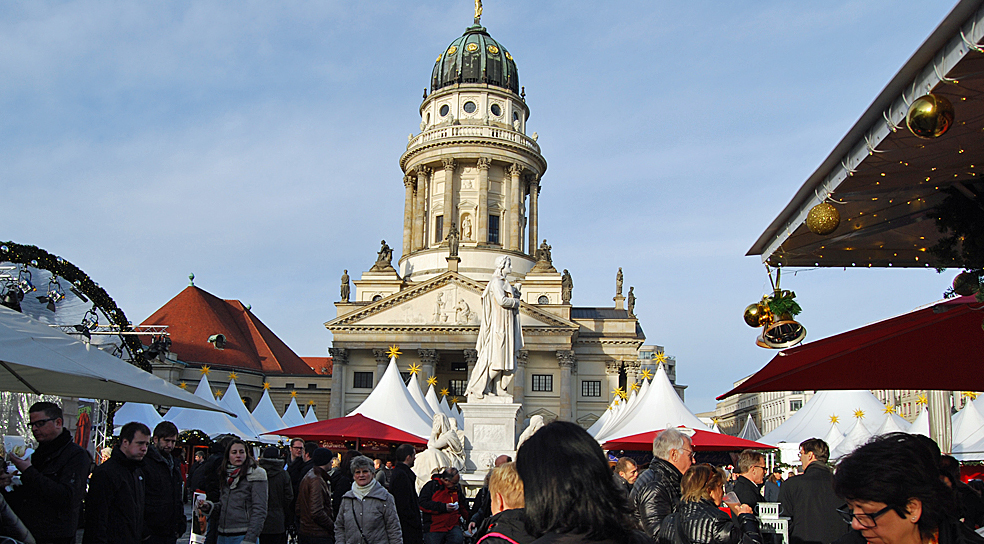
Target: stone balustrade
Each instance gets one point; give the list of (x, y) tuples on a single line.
[(472, 131)]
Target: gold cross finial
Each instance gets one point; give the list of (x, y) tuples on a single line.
[(393, 352), (205, 370), (414, 369), (266, 385), (293, 394), (432, 380), (233, 376)]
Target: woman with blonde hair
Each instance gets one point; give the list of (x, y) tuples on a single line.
[(698, 520)]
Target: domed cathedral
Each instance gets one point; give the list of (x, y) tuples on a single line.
[(472, 179)]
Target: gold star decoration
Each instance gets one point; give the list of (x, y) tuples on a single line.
[(635, 386), (972, 395), (647, 374), (233, 376), (266, 385), (609, 408), (432, 380), (715, 420), (218, 393), (922, 399), (293, 394), (889, 409), (183, 385), (310, 402), (414, 369), (660, 357), (834, 418), (453, 401), (205, 370), (859, 413), (615, 403), (618, 392), (444, 392), (394, 352)]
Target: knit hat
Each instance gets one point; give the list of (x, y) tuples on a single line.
[(321, 457), (271, 452)]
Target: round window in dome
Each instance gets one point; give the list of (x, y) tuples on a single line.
[(470, 107), (471, 48), (544, 299), (452, 50), (493, 50), (496, 110), (444, 110)]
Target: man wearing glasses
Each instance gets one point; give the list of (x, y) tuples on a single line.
[(656, 491), (53, 479), (751, 470), (809, 498)]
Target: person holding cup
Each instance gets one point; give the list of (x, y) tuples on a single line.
[(443, 506), (698, 518)]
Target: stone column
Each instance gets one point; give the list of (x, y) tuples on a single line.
[(482, 221), (408, 182), (381, 362), (428, 361), (534, 197), (419, 219), (449, 207), (519, 377), (471, 357), (611, 372), (339, 361), (632, 369), (566, 360), (940, 429), (514, 191)]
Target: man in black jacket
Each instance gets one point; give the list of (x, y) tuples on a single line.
[(809, 498), (751, 470), (404, 492), (114, 506), (656, 492), (164, 519), (53, 479)]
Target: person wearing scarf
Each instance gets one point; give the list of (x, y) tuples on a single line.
[(368, 511), (242, 503)]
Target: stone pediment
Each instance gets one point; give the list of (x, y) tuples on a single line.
[(448, 300)]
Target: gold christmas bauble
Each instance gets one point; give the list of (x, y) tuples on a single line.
[(823, 219), (929, 116), (757, 315), (966, 283)]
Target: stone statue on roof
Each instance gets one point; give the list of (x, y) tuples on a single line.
[(452, 240), (384, 258), (631, 301), (346, 289), (566, 287), (618, 282)]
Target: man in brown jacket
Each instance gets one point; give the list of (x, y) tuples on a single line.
[(314, 515)]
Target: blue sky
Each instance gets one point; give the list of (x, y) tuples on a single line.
[(256, 144)]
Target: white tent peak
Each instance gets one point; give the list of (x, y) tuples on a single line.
[(813, 419), (391, 403), (834, 436), (750, 431), (858, 435), (414, 387), (267, 414), (210, 423), (292, 415), (310, 416), (245, 420), (431, 399)]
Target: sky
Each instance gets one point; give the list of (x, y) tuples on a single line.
[(257, 145)]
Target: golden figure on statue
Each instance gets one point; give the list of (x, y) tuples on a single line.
[(478, 11)]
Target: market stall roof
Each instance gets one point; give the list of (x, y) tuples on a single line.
[(703, 440), (886, 182), (136, 411), (244, 419), (292, 415), (750, 431), (310, 416), (856, 436), (351, 427), (660, 408), (814, 418), (889, 354), (391, 403), (267, 414), (210, 423), (413, 386)]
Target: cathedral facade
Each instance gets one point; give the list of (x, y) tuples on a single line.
[(472, 179)]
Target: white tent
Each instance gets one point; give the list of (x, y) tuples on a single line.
[(921, 424), (892, 424), (659, 408), (267, 415), (310, 416), (750, 431), (244, 420), (603, 422), (431, 398), (210, 423), (414, 388), (968, 426), (813, 419), (292, 415), (136, 411), (834, 436), (391, 403), (858, 435)]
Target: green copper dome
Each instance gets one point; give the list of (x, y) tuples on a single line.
[(475, 58)]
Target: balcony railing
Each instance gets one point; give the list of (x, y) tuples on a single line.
[(472, 131)]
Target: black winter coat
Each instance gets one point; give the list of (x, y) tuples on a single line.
[(748, 492), (703, 523), (50, 500), (810, 501), (280, 495), (511, 523), (207, 477), (114, 507), (656, 494), (634, 537), (404, 492), (341, 481), (163, 508)]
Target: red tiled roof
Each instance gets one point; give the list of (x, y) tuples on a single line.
[(194, 315), (321, 365)]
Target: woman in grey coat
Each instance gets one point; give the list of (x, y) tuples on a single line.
[(368, 512), (243, 504)]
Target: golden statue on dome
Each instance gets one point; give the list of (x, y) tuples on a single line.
[(478, 12)]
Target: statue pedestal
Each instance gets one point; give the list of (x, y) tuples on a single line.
[(453, 263), (490, 431)]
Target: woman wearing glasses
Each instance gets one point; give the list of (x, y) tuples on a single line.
[(895, 496), (698, 520)]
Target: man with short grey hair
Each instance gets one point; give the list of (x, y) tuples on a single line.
[(656, 492)]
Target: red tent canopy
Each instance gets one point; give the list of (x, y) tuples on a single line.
[(940, 347), (352, 427), (702, 440)]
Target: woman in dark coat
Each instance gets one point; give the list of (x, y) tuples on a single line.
[(698, 520), (280, 494)]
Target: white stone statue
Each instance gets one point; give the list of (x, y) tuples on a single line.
[(445, 449), (536, 422), (499, 337)]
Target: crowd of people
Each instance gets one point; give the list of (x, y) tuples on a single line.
[(561, 489)]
